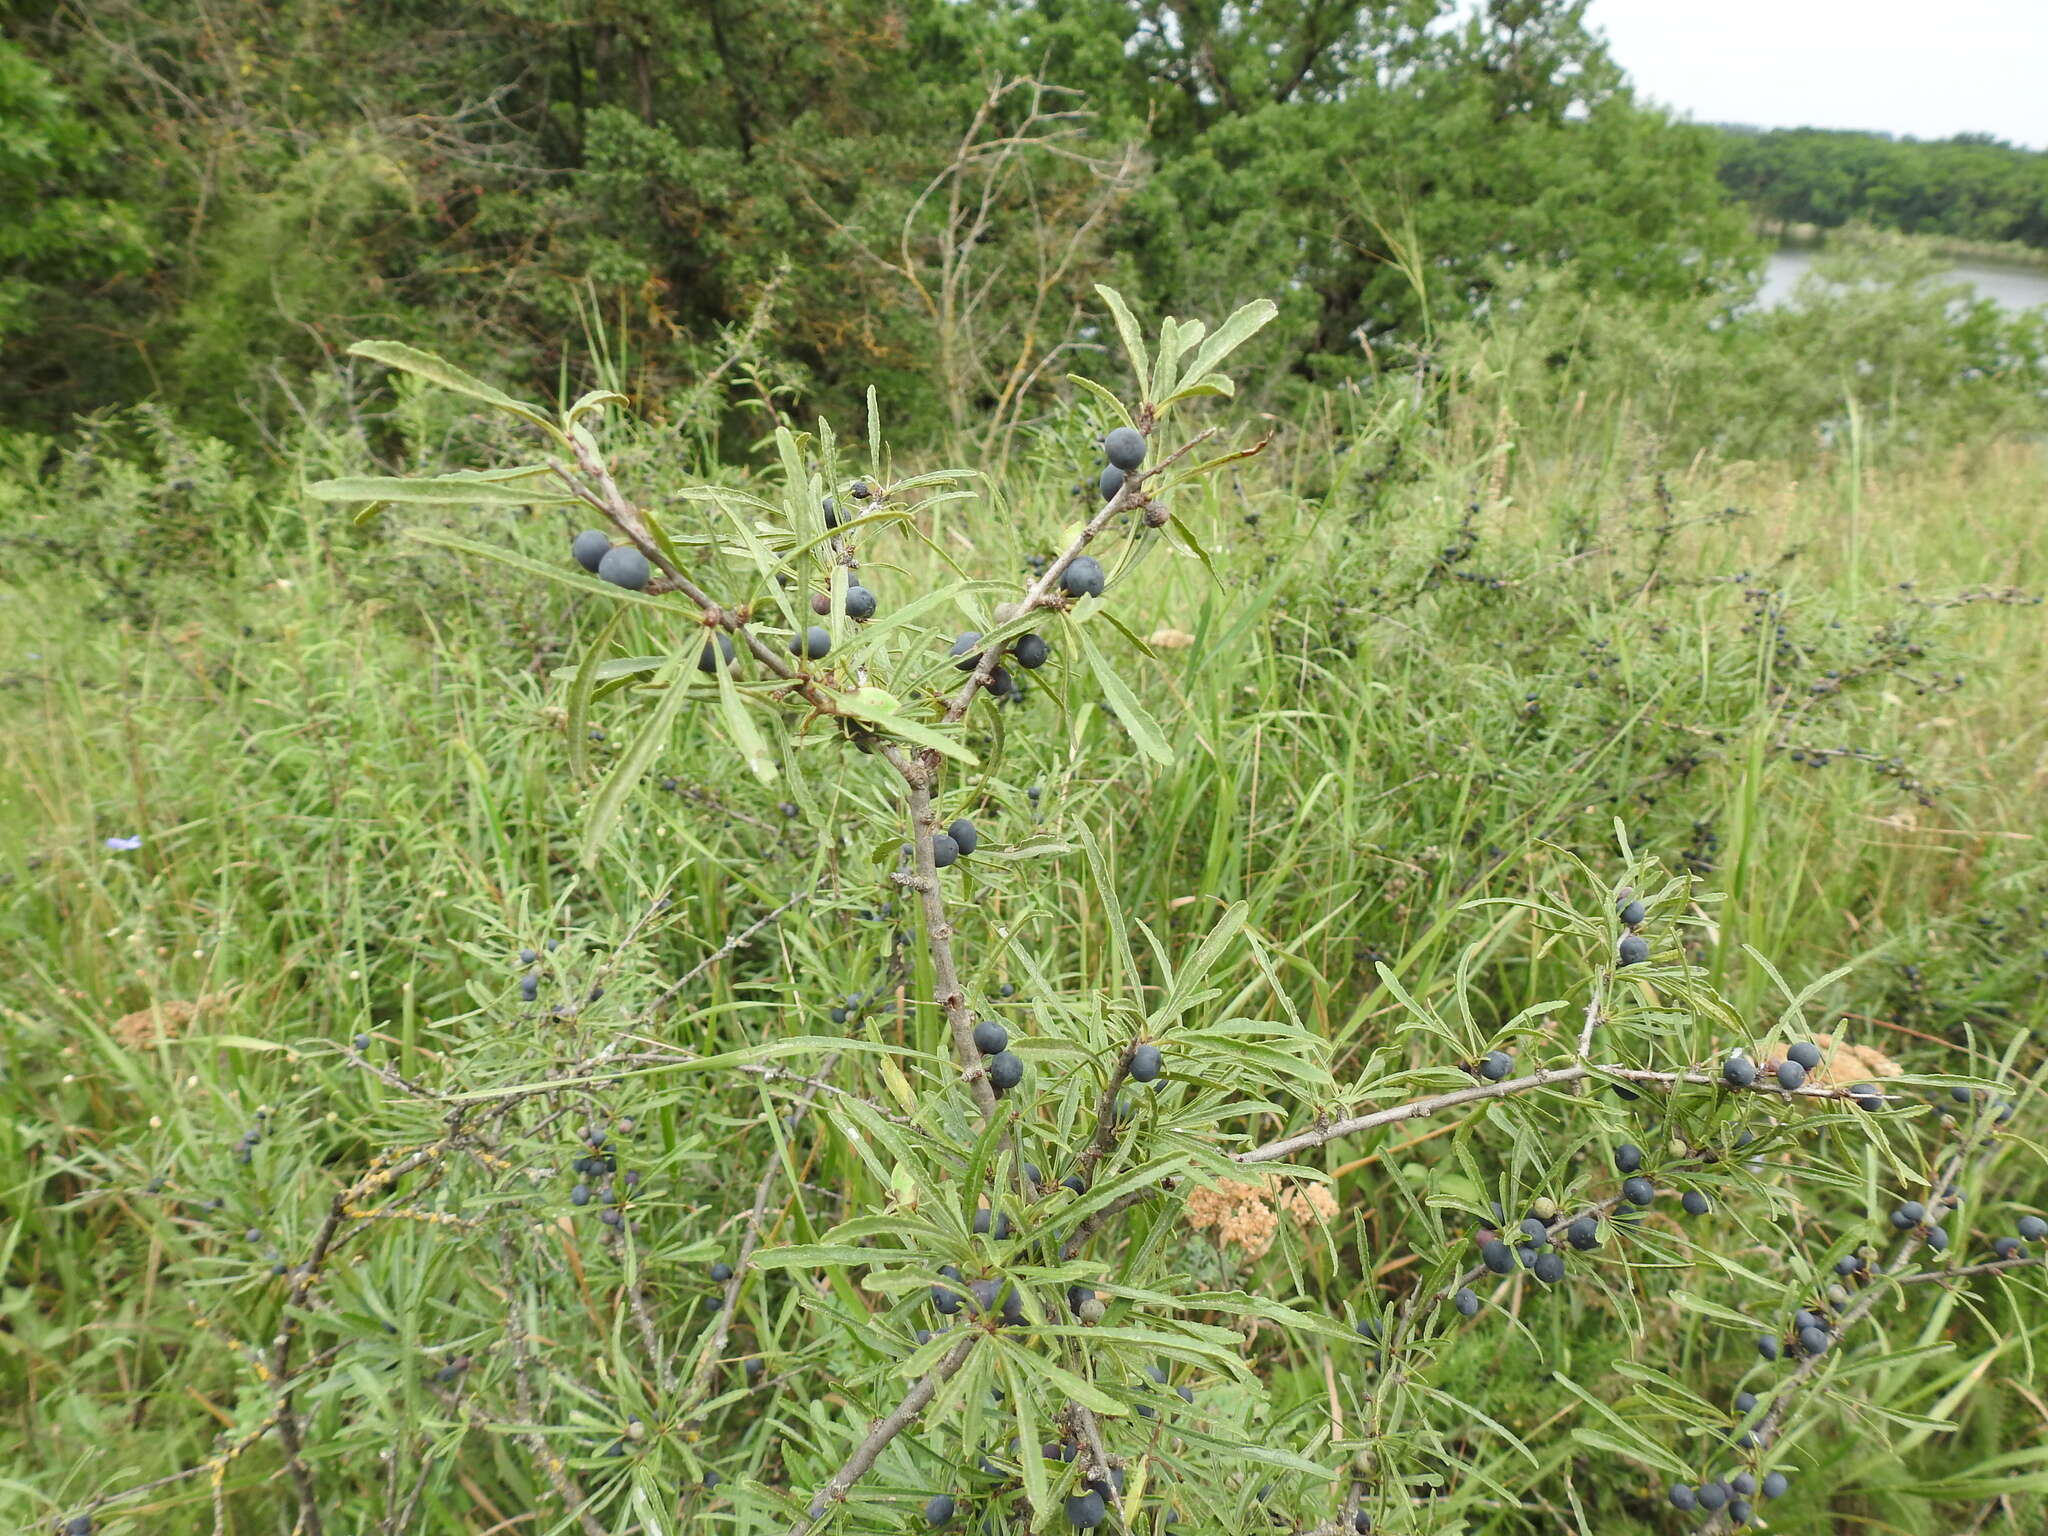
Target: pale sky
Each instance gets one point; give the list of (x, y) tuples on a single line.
[(1898, 66)]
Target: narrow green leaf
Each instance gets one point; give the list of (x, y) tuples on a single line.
[(436, 370), (872, 705), (626, 772), (579, 698), (1127, 327), (1144, 729), (591, 400), (1230, 335), (1105, 395), (437, 491), (1064, 1382), (745, 735)]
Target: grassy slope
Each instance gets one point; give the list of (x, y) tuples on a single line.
[(355, 808)]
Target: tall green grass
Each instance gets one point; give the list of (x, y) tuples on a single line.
[(1445, 657)]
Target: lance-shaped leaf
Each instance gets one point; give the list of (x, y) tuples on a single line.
[(437, 370)]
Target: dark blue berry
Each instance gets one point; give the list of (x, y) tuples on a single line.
[(944, 850), (2033, 1228), (1638, 1191), (1497, 1256), (1005, 1071), (590, 547), (1805, 1052), (1775, 1484), (721, 1272), (964, 836), (990, 1037), (938, 1509), (860, 603), (813, 644), (1738, 1072), (1791, 1075), (1634, 949), (1110, 482), (1085, 1511), (1632, 913), (1628, 1158), (1497, 1065), (1146, 1063), (1031, 652), (1549, 1267), (1584, 1233), (1767, 1346), (707, 659), (625, 566), (1695, 1203), (1683, 1497), (1466, 1302), (1083, 577), (1124, 448)]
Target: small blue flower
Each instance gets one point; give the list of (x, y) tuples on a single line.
[(124, 844)]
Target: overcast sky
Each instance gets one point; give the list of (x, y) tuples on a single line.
[(1899, 66)]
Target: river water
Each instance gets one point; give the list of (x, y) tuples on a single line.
[(2014, 286)]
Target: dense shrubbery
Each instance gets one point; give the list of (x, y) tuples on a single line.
[(618, 1097), (927, 215), (1450, 941)]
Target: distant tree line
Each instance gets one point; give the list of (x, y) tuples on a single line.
[(924, 191), (1971, 187)]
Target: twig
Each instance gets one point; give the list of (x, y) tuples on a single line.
[(869, 1450), (714, 1346), (1548, 1077), (551, 1466), (732, 942)]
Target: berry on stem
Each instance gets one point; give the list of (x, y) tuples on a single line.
[(1125, 448), (590, 547), (625, 566), (1083, 577), (707, 659)]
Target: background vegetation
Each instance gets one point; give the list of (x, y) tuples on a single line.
[(1561, 567), (1969, 188)]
